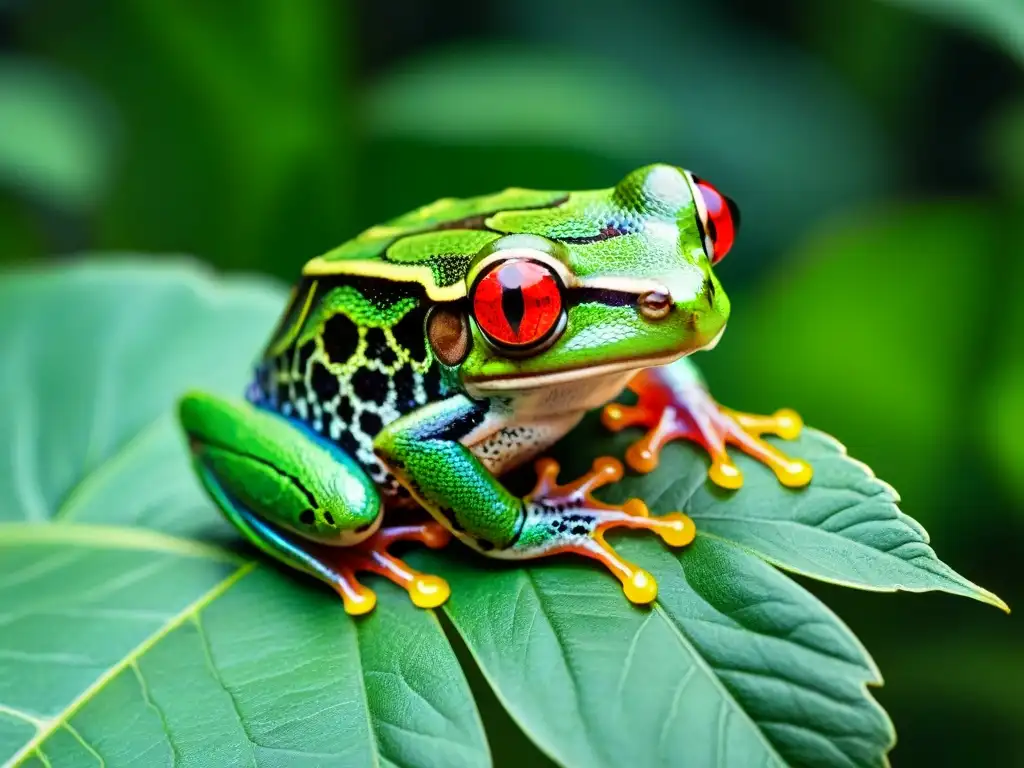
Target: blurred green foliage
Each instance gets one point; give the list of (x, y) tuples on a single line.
[(876, 148), (56, 142)]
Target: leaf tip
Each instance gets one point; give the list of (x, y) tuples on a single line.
[(989, 598), (993, 599)]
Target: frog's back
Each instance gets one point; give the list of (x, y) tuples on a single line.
[(433, 245), (350, 354)]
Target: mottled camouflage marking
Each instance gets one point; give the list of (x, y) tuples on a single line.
[(358, 361)]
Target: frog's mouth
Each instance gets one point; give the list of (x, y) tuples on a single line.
[(518, 382), (524, 381), (714, 342)]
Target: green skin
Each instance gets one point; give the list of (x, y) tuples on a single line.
[(614, 245)]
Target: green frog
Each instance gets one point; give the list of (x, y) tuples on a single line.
[(420, 361)]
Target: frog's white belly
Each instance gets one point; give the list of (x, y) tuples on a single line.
[(513, 444), (540, 417)]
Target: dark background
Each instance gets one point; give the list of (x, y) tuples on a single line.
[(876, 149)]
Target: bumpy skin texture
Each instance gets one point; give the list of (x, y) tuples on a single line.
[(273, 470), (353, 371)]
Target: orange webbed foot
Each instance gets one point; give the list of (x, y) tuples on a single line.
[(577, 522), (683, 409), (425, 590)]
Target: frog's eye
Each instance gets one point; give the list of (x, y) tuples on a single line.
[(720, 219), (518, 304)]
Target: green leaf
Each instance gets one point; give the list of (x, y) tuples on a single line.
[(846, 529), (873, 331), (764, 664), (131, 627), (1000, 20), (735, 666), (121, 642), (57, 140)]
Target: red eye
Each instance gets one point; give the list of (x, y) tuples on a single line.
[(723, 220), (518, 303)]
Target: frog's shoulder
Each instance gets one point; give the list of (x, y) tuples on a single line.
[(432, 245)]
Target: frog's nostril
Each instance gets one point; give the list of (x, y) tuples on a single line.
[(655, 305)]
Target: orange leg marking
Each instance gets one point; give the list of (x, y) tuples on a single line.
[(424, 590), (683, 410), (675, 529)]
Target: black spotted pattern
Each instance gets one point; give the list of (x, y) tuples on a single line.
[(409, 334), (340, 338), (346, 383)]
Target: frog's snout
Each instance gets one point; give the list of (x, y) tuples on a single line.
[(709, 313)]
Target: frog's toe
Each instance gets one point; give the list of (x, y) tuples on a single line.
[(641, 588), (425, 590), (681, 409), (428, 591), (725, 474), (567, 518), (745, 430), (357, 599)]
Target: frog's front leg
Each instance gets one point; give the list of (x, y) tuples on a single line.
[(301, 500), (427, 451), (674, 404)]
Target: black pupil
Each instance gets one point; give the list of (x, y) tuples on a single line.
[(513, 306)]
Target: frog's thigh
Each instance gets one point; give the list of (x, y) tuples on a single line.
[(265, 464), (260, 469)]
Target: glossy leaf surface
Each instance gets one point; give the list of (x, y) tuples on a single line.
[(127, 639), (136, 628)]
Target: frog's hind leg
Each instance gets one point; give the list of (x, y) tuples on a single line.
[(302, 501), (673, 404), (338, 566), (356, 598)]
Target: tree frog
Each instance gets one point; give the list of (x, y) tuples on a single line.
[(418, 362)]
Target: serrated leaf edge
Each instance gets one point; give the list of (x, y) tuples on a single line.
[(971, 590)]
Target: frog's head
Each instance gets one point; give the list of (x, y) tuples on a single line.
[(607, 281)]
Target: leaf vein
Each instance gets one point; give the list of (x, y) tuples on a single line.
[(88, 747), (673, 709), (208, 656), (727, 696), (148, 698), (177, 620)]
